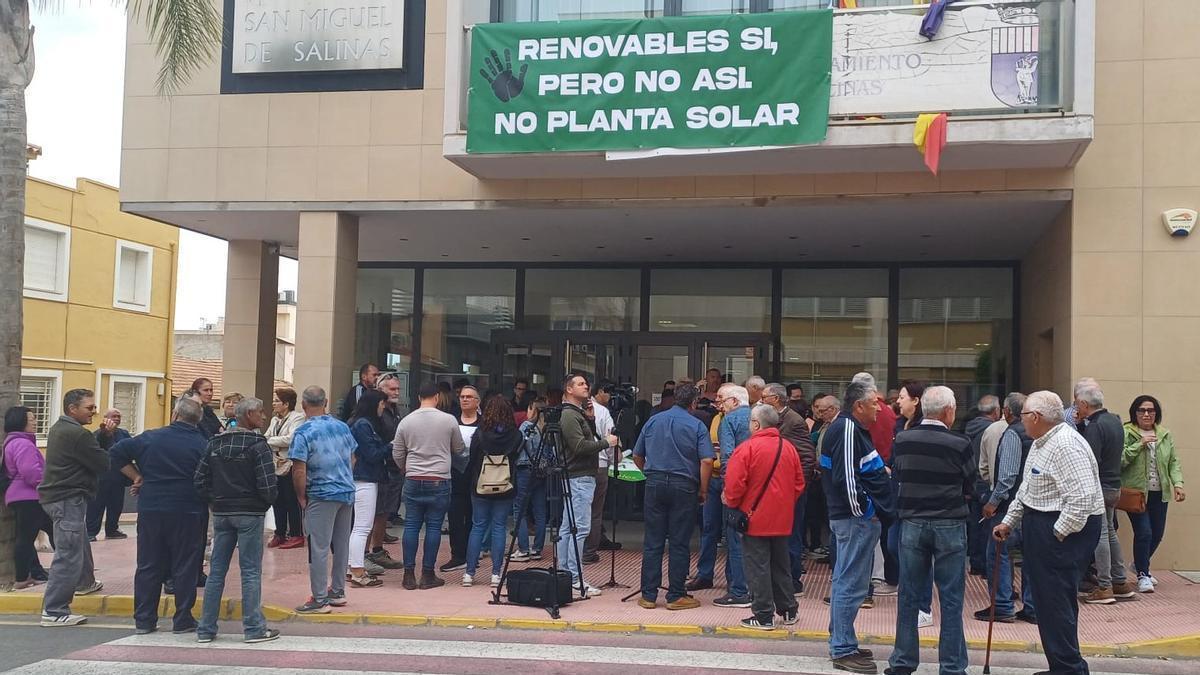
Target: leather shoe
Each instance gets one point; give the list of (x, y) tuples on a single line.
[(698, 585)]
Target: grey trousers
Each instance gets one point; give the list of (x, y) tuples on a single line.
[(72, 567), (592, 543), (1110, 564), (768, 567), (328, 528)]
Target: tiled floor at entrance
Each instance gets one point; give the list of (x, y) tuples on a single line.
[(1166, 613)]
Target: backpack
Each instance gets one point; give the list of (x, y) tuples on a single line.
[(5, 479), (495, 476)]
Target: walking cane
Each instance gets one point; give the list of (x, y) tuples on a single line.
[(987, 660)]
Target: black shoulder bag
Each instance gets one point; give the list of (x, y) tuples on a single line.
[(738, 519)]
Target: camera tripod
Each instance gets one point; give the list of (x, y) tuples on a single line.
[(557, 485)]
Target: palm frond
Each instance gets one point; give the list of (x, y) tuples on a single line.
[(185, 34)]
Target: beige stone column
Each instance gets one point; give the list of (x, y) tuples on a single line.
[(327, 280), (251, 293)]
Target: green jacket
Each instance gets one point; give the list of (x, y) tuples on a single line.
[(1135, 470), (74, 462), (581, 448)]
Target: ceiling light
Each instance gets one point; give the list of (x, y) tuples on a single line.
[(727, 246), (485, 247), (926, 236), (855, 245), (524, 238), (793, 237), (648, 238), (403, 238), (599, 247)]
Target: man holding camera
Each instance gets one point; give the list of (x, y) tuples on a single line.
[(676, 453), (581, 453)]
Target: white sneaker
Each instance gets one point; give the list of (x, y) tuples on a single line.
[(467, 580), (590, 590), (924, 619), (96, 587), (519, 556), (1145, 585), (69, 620), (1153, 580), (495, 580)]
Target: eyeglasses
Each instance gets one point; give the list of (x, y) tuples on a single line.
[(1146, 411), (1028, 412)]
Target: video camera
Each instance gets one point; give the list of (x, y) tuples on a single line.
[(622, 397)]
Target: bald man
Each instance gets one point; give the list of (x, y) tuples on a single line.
[(110, 495)]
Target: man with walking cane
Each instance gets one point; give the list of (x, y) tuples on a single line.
[(1059, 506)]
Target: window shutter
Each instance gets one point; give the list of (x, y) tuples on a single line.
[(42, 259), (125, 399)]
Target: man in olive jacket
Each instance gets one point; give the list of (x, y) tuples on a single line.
[(74, 462), (581, 454)]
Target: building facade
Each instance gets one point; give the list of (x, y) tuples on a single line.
[(99, 304), (445, 230)]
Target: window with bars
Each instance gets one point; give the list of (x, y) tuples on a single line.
[(127, 397), (47, 259), (39, 394)]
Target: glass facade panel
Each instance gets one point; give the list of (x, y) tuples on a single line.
[(558, 300), (699, 7), (384, 323), (461, 308), (834, 325), (956, 329), (717, 300), (516, 11)]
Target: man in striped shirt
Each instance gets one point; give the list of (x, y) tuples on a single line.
[(1060, 506)]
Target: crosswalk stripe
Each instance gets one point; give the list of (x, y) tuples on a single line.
[(776, 663), (72, 667)]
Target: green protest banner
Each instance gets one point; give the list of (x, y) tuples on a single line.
[(675, 82)]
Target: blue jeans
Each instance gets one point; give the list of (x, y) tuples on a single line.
[(488, 515), (246, 533), (942, 544), (425, 503), (893, 544), (796, 541), (1148, 530), (670, 510), (531, 498), (582, 489), (856, 541), (710, 534), (1004, 582)]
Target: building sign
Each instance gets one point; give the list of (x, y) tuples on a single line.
[(274, 36), (679, 82), (983, 58)]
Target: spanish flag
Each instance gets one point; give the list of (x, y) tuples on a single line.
[(930, 137), (848, 4)]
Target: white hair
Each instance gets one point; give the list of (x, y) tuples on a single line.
[(739, 393), (765, 415), (189, 410), (314, 397), (1082, 383), (247, 406), (756, 382), (1091, 395), (988, 403), (864, 377), (1047, 404), (935, 401), (776, 389)]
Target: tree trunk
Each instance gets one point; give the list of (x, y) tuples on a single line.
[(16, 70)]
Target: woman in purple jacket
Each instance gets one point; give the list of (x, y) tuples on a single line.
[(24, 464)]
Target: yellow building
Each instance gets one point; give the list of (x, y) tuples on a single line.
[(99, 304)]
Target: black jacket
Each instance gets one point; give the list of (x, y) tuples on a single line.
[(236, 475), (1105, 434), (494, 442), (210, 425)]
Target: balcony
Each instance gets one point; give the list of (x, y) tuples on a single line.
[(1014, 75)]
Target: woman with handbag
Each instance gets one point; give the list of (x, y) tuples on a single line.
[(495, 448), (289, 527), (1149, 466)]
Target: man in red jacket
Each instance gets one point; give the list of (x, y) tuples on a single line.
[(764, 479)]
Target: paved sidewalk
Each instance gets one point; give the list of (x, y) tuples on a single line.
[(1162, 623)]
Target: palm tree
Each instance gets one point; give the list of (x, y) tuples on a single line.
[(186, 33)]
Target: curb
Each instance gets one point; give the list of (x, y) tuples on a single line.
[(1181, 647)]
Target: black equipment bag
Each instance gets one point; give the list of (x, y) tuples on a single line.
[(534, 587)]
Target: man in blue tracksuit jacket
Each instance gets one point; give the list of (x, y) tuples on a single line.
[(857, 493)]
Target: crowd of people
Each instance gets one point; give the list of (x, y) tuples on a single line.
[(895, 491)]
